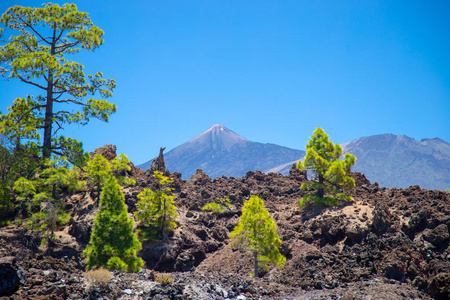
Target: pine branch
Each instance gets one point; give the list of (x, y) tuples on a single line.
[(60, 34), (30, 82), (59, 126), (34, 30), (62, 91), (71, 101), (65, 46)]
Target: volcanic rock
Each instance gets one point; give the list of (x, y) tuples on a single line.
[(107, 151), (10, 276)]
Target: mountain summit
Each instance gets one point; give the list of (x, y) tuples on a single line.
[(219, 151), (217, 137)]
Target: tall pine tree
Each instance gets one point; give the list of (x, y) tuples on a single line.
[(331, 180), (257, 232), (37, 55), (113, 244)]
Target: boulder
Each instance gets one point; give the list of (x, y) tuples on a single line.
[(439, 287), (107, 151), (382, 218), (437, 235), (199, 178), (10, 276)]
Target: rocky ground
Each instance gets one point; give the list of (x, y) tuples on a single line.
[(387, 244)]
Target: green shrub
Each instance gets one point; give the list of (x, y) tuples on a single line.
[(213, 207), (220, 206), (41, 197), (164, 279), (115, 263)]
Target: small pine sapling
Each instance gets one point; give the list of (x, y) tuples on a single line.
[(155, 209), (98, 169), (25, 190), (256, 232)]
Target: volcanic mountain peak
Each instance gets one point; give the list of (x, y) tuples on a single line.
[(217, 137)]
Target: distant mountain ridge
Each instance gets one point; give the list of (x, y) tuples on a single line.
[(400, 161), (219, 151), (391, 160)]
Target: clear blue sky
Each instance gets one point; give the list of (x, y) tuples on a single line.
[(272, 71)]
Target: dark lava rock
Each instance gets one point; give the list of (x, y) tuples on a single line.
[(200, 178), (160, 255), (382, 218), (354, 232), (81, 231), (439, 287), (220, 233), (360, 179), (107, 151), (437, 235), (418, 220), (10, 276)]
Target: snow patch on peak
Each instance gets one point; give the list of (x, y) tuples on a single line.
[(218, 126), (218, 136)]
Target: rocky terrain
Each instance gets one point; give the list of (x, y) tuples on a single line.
[(387, 244)]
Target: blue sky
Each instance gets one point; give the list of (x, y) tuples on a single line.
[(272, 71)]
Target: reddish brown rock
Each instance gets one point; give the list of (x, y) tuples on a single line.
[(107, 151)]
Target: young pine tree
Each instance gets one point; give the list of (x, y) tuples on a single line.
[(331, 180), (113, 244), (99, 168), (156, 210), (256, 232), (44, 193)]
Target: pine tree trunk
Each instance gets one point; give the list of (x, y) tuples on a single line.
[(98, 191), (164, 219), (320, 190), (54, 191), (255, 255), (48, 120)]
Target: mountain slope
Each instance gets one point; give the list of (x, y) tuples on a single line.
[(401, 161), (219, 151)]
